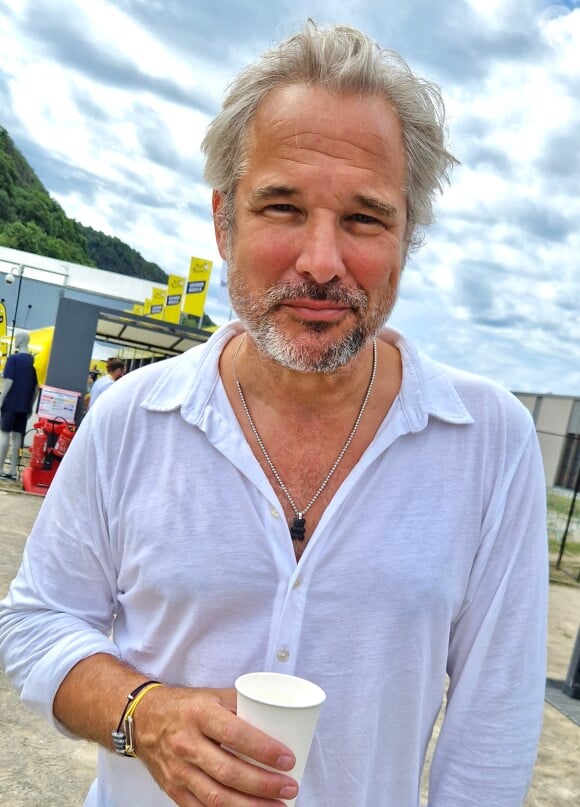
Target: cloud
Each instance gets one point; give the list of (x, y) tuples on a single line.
[(158, 145), (538, 220), (88, 107), (560, 158), (56, 174), (480, 155), (190, 27), (66, 38), (7, 119), (458, 39)]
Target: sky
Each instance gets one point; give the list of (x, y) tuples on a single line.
[(109, 102)]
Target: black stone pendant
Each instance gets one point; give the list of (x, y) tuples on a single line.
[(297, 530)]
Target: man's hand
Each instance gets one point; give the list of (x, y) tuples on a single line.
[(180, 735)]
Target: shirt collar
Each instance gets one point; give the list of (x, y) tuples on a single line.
[(426, 387), (189, 380)]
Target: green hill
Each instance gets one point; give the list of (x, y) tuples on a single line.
[(31, 220)]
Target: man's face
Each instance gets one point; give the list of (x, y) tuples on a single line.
[(320, 214)]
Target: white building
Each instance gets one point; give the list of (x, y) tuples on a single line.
[(45, 280), (557, 419)]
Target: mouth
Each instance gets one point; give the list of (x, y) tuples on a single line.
[(316, 310)]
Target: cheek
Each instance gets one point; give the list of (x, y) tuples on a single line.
[(265, 257), (377, 268)]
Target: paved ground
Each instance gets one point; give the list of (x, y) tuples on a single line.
[(41, 769)]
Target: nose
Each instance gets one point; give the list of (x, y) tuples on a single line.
[(321, 255)]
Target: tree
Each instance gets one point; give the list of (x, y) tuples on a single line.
[(31, 220), (30, 237)]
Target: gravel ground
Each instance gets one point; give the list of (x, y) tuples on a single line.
[(41, 769)]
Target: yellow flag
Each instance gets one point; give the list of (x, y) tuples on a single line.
[(147, 307), (172, 309), (137, 309), (158, 294), (197, 285), (2, 320), (157, 302)]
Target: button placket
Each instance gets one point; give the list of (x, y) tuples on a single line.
[(283, 655), (290, 627)]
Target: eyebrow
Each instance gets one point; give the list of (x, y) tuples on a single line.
[(383, 209), (269, 191)]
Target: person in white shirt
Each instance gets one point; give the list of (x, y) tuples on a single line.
[(115, 371), (304, 493)]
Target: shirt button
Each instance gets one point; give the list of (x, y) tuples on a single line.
[(274, 513), (283, 654), (297, 583)]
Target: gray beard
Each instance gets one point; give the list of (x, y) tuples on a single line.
[(258, 318)]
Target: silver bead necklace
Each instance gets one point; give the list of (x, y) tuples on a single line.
[(297, 528)]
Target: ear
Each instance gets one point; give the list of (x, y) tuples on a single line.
[(217, 203)]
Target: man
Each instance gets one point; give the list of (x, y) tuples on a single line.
[(115, 370), (302, 494), (19, 385)]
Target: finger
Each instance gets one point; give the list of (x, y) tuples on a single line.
[(228, 698), (208, 792), (189, 786), (179, 755), (235, 734), (242, 776)]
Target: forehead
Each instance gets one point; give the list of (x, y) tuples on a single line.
[(310, 125)]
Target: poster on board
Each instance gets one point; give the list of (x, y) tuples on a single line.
[(58, 404)]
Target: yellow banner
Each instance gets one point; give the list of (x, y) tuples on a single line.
[(172, 309), (137, 309), (157, 302), (156, 310), (3, 330), (158, 294), (197, 285)]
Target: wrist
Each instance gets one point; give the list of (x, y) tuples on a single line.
[(124, 735)]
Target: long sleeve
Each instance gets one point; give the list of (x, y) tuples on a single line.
[(60, 607), (488, 742)]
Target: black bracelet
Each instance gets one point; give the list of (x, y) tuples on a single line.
[(122, 736)]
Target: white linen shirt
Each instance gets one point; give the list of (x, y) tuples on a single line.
[(161, 526)]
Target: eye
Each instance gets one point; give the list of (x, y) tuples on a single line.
[(282, 207), (363, 218)]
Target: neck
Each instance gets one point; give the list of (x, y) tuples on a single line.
[(298, 525), (264, 378)]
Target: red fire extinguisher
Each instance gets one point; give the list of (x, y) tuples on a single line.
[(65, 435), (38, 447)]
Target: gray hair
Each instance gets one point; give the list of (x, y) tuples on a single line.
[(342, 60)]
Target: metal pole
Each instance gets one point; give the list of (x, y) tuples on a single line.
[(20, 275), (570, 514), (572, 683)]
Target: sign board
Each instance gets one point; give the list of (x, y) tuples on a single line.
[(197, 285), (58, 404), (172, 309)]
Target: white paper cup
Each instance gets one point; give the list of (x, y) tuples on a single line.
[(284, 707)]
